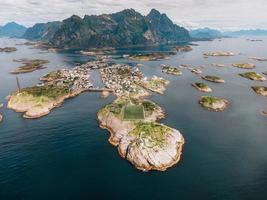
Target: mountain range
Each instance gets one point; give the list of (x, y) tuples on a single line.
[(121, 29), (12, 29), (208, 33)]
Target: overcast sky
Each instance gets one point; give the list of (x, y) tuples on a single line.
[(223, 14)]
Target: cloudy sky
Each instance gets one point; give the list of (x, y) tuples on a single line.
[(223, 14)]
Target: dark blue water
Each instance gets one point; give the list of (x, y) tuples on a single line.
[(65, 155)]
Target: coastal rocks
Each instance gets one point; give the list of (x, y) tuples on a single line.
[(152, 146), (261, 90), (202, 87), (8, 49), (253, 76), (219, 53), (186, 48), (213, 103), (244, 65), (214, 79), (147, 144), (171, 70), (29, 66)]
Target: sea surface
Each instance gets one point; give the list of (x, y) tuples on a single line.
[(65, 155)]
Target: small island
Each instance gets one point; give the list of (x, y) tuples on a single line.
[(214, 79), (8, 49), (186, 48), (253, 76), (202, 87), (213, 103), (258, 59), (219, 53), (171, 70), (261, 90), (29, 66), (149, 57), (244, 65), (218, 65), (196, 71), (39, 100)]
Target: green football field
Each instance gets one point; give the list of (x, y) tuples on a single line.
[(133, 112)]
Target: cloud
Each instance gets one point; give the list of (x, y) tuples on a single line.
[(212, 13)]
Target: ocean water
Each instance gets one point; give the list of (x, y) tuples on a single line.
[(65, 155)]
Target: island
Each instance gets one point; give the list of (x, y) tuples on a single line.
[(140, 139), (214, 79), (219, 53), (202, 87), (218, 65), (213, 103), (38, 101), (29, 65), (186, 48), (244, 65), (265, 73), (261, 90), (196, 70), (258, 59), (171, 70), (149, 56), (8, 49), (253, 76)]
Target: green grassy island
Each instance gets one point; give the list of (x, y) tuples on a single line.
[(149, 57), (148, 145), (29, 66), (253, 76), (203, 87), (213, 103), (37, 101), (261, 90), (245, 65), (171, 70), (214, 79), (219, 53)]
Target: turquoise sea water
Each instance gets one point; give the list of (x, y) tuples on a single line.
[(65, 155)]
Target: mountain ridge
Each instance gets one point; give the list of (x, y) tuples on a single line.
[(125, 28)]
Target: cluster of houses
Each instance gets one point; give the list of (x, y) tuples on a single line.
[(122, 79)]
